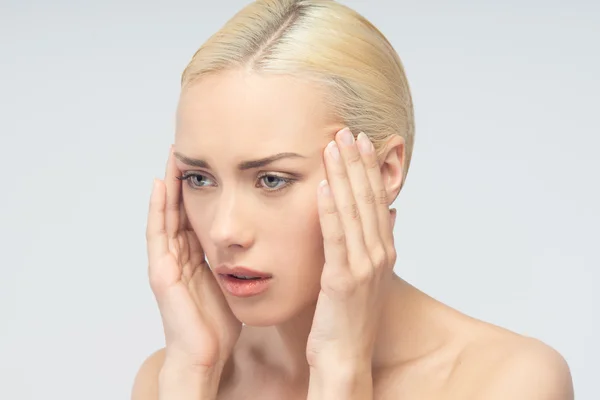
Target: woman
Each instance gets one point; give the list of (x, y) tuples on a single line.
[(270, 240)]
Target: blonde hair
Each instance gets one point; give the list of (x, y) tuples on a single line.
[(325, 42)]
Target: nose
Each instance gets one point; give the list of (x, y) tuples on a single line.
[(230, 227)]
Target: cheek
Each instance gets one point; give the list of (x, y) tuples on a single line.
[(295, 234), (299, 227), (300, 248), (306, 224), (198, 217)]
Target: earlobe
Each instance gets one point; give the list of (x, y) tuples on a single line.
[(392, 166)]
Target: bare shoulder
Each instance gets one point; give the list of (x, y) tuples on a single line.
[(499, 364), (145, 385), (529, 369)]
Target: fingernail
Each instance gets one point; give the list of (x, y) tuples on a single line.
[(324, 188), (364, 144), (346, 136), (333, 150)]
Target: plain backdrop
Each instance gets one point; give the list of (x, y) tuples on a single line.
[(499, 217)]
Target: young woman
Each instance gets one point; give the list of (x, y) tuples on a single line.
[(270, 239)]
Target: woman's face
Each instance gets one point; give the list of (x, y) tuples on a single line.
[(258, 215)]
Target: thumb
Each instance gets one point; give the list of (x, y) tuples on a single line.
[(393, 214)]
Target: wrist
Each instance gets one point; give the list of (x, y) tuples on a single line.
[(182, 382), (341, 380)]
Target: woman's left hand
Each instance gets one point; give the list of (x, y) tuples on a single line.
[(359, 259)]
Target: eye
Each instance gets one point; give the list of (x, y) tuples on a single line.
[(195, 180), (274, 182)]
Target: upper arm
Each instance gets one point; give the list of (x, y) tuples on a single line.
[(535, 371), (145, 386)]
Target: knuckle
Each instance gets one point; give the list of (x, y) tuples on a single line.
[(351, 210), (392, 255), (336, 238), (364, 276), (340, 285), (330, 209), (368, 196), (382, 197), (379, 258), (151, 235), (340, 174), (172, 206), (371, 163), (354, 158)]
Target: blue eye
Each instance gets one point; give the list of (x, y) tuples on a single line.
[(195, 180), (273, 182), (269, 182)]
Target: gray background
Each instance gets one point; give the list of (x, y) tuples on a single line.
[(499, 217)]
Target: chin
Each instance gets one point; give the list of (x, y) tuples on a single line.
[(260, 316), (269, 312)]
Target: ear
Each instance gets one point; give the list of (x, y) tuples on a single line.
[(391, 161)]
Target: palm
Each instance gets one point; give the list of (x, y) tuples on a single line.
[(199, 326), (203, 322), (322, 330)]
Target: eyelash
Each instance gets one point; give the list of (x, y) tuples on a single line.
[(186, 176)]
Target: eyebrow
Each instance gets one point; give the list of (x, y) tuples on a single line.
[(244, 165)]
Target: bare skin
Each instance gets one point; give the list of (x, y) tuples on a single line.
[(447, 355), (422, 350)]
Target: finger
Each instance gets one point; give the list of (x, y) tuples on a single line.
[(362, 191), (194, 254), (381, 203), (196, 251), (334, 238), (155, 229), (184, 222), (173, 185), (345, 203)]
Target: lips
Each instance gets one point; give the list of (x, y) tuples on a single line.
[(243, 282), (242, 273)]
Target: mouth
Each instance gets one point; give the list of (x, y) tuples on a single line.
[(243, 282), (244, 286), (244, 277)]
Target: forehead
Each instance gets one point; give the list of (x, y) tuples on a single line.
[(247, 114)]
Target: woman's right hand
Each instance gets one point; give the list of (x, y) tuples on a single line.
[(200, 329)]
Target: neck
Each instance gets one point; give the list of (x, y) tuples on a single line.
[(405, 333), (291, 337)]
